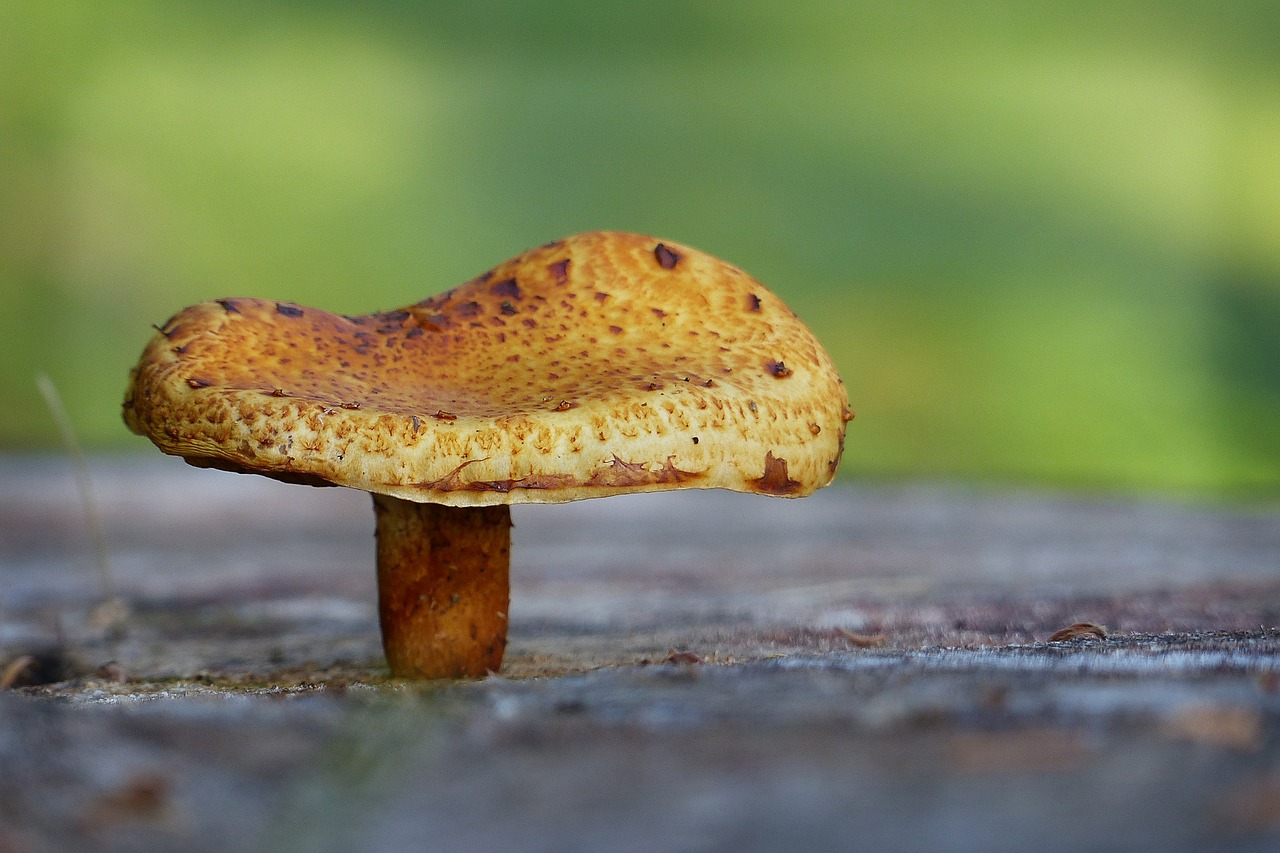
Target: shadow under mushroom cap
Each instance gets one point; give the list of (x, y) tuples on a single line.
[(598, 364)]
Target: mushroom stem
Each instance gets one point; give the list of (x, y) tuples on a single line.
[(442, 587)]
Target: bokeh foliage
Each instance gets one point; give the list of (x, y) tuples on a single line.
[(1042, 241)]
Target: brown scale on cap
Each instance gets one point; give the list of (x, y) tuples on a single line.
[(579, 369)]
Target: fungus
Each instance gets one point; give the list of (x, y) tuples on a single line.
[(447, 420)]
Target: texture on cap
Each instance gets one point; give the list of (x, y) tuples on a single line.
[(595, 365)]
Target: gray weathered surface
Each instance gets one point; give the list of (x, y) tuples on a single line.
[(874, 673)]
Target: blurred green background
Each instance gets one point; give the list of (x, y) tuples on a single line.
[(1042, 241)]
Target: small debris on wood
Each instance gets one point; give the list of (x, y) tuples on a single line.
[(38, 668), (111, 672), (1079, 631), (687, 658), (14, 671), (861, 641)]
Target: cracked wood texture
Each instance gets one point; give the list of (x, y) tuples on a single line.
[(873, 663)]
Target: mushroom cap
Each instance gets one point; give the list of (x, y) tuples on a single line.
[(595, 365)]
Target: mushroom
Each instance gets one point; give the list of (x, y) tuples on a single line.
[(595, 365)]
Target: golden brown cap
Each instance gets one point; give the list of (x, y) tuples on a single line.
[(595, 365)]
